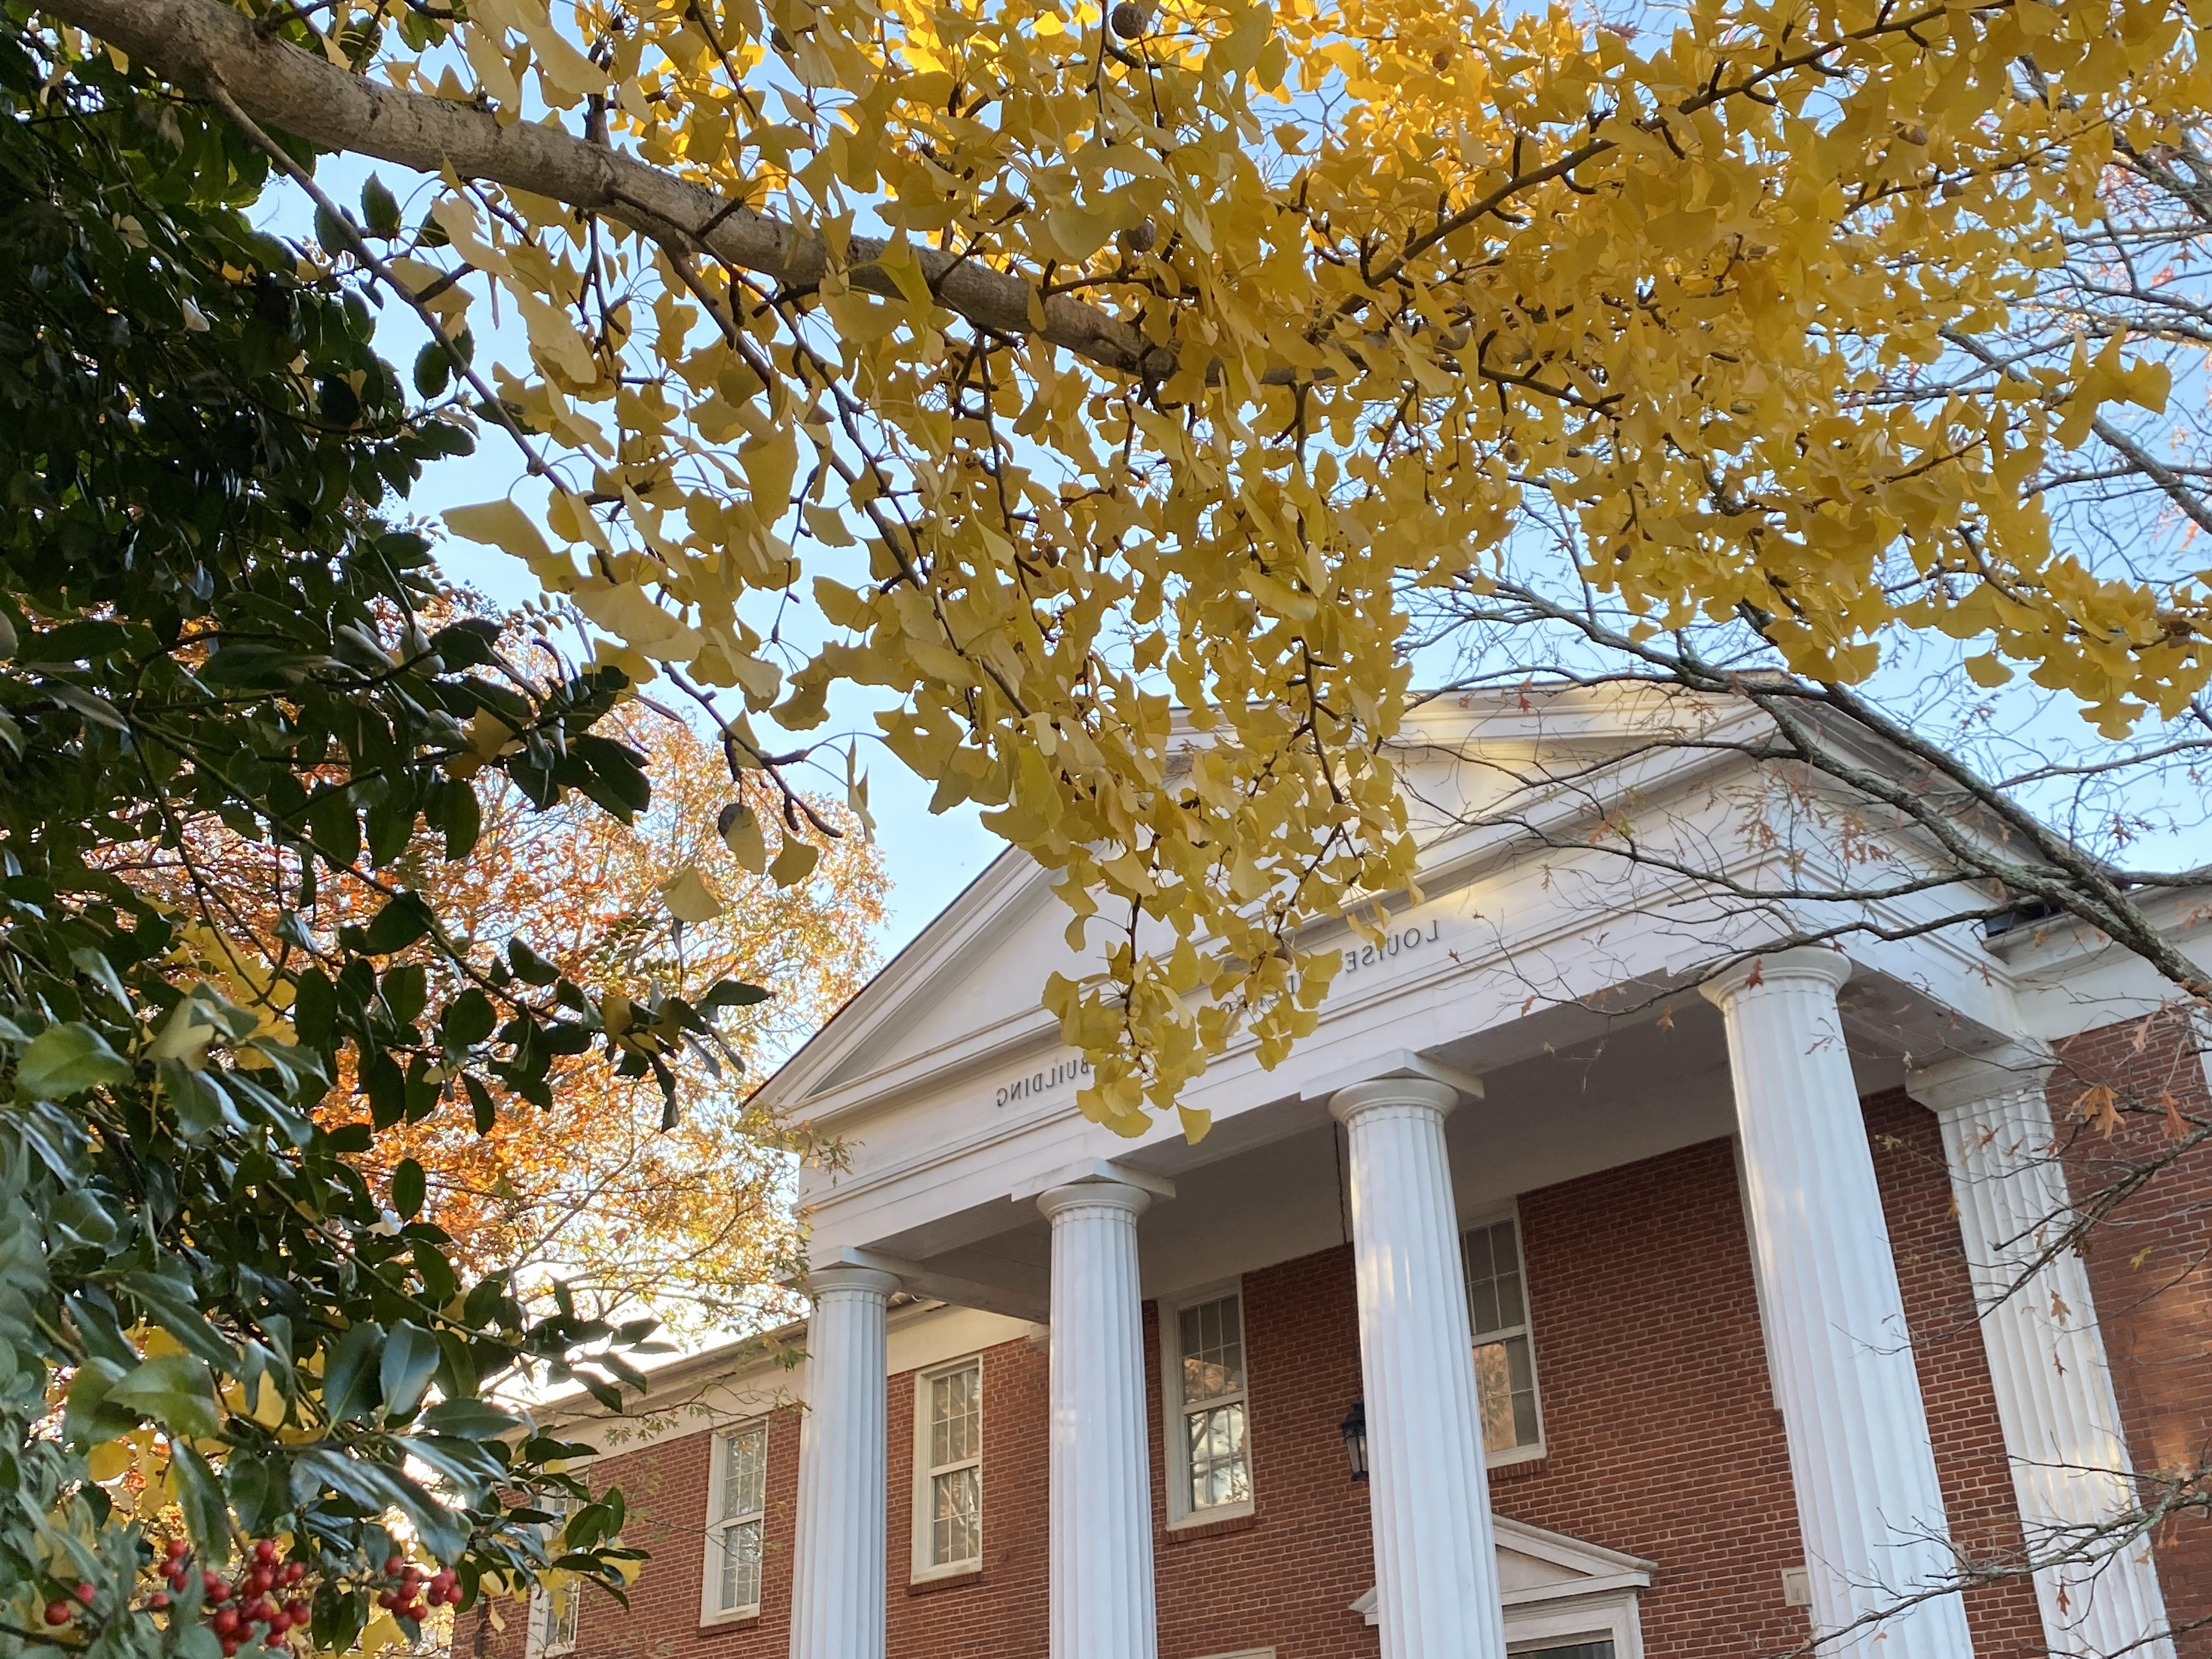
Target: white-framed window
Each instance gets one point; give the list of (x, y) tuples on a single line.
[(737, 1516), (948, 1468), (1207, 1416), (554, 1608), (1504, 1351)]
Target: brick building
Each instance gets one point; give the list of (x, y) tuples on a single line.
[(1594, 1283)]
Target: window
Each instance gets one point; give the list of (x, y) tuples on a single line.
[(1505, 1364), (1208, 1452), (948, 1432), (737, 1505), (553, 1619), (554, 1608)]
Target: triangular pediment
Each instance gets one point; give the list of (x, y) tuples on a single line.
[(964, 996), (1536, 1567)]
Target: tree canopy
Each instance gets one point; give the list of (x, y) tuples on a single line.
[(1068, 363), (630, 1206), (248, 1398)]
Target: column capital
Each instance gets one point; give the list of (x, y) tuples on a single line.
[(1800, 961), (1417, 1093), (1055, 1201), (839, 1278), (1962, 1083)]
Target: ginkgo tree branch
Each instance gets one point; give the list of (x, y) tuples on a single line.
[(202, 43)]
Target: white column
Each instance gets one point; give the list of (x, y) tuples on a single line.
[(2070, 1471), (1436, 1594), (1860, 1457), (838, 1581), (1100, 1545)]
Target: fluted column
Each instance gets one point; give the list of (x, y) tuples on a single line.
[(2070, 1471), (1869, 1504), (837, 1557), (1436, 1594), (1100, 1469)]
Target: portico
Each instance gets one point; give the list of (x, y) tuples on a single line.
[(1402, 1131), (1865, 1490)]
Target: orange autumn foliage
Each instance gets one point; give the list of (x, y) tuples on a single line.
[(693, 1222)]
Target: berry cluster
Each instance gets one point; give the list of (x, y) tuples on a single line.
[(60, 1613), (414, 1595), (244, 1608)]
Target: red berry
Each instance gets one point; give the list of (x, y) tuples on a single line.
[(413, 1610), (59, 1612), (84, 1593), (453, 1596), (158, 1600), (260, 1580), (229, 1646), (178, 1547), (225, 1622), (265, 1552), (297, 1610), (393, 1562), (292, 1573), (215, 1590)]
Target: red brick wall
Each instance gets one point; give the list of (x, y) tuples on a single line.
[(1662, 1435), (2150, 1267), (1659, 1421)]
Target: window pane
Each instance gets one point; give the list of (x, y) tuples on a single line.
[(1505, 1388), (1212, 1349), (1219, 1471), (561, 1607), (745, 1473), (955, 1512), (1505, 1258), (1495, 1302), (1578, 1650), (741, 1565), (956, 1416)]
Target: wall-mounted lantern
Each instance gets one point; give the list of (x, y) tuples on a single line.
[(1354, 1429)]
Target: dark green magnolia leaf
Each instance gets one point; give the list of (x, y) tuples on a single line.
[(434, 370), (67, 1060), (529, 966), (460, 817), (177, 1390), (89, 1417), (732, 994), (379, 209), (403, 919), (468, 1419), (467, 1020), (350, 1374), (404, 990), (315, 1007), (407, 1187), (170, 1297), (480, 1102), (410, 1357)]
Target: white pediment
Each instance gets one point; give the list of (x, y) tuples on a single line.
[(967, 989), (1555, 1585)]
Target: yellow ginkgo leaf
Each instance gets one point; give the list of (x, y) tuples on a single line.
[(689, 898)]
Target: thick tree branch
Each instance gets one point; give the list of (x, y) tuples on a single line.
[(199, 44)]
